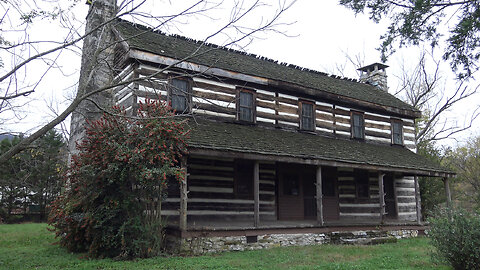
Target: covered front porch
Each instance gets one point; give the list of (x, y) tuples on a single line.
[(247, 179), (227, 192)]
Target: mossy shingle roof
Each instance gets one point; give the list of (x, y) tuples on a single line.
[(254, 140), (142, 38)]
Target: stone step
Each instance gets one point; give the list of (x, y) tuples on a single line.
[(367, 241), (359, 234)]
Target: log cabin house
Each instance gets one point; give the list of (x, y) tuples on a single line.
[(276, 149)]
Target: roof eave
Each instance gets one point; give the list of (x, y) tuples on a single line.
[(218, 152)]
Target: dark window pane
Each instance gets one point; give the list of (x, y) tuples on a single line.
[(329, 175), (179, 93), (179, 103), (307, 116), (246, 99), (363, 191), (173, 188), (291, 184), (307, 109), (180, 87), (307, 123), (397, 132), (358, 127), (356, 120), (362, 183), (245, 112), (244, 179)]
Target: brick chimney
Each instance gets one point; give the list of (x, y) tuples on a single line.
[(375, 75)]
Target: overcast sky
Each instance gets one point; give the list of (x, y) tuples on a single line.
[(316, 35)]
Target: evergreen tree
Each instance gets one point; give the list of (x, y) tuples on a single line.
[(413, 22)]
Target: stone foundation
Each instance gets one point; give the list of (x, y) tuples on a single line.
[(203, 245)]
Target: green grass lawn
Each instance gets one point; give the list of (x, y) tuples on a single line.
[(30, 246)]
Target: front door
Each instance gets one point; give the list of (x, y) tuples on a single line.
[(290, 196), (330, 193), (389, 189), (309, 192)]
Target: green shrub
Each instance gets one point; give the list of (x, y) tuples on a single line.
[(3, 215), (114, 186), (12, 219), (455, 234)]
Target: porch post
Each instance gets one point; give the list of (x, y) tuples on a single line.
[(319, 196), (381, 193), (417, 200), (256, 193), (183, 198), (447, 192)]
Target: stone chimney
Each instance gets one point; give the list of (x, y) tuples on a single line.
[(375, 75), (96, 68)]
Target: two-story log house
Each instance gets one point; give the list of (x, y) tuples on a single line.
[(276, 149)]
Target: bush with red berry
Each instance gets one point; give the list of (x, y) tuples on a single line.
[(111, 203)]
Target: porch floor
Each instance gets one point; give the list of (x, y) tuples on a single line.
[(239, 228), (290, 224)]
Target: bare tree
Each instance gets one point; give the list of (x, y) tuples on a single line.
[(424, 88), (96, 79), (350, 62)]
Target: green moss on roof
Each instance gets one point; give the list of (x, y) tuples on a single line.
[(142, 38), (250, 139)]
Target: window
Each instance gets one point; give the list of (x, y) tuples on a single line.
[(397, 132), (173, 187), (244, 179), (179, 94), (291, 184), (358, 127), (329, 179), (307, 117), (362, 184), (246, 106)]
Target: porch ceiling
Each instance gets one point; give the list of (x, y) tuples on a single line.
[(243, 141)]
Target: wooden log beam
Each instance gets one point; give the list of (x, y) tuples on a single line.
[(417, 200), (319, 196), (311, 161), (183, 199), (447, 192), (381, 192), (256, 193)]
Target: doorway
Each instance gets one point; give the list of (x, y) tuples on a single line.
[(331, 209), (390, 201), (297, 193)]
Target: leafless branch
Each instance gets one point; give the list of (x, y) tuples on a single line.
[(7, 97), (83, 95), (422, 88)]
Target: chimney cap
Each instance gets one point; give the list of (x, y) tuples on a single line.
[(372, 66)]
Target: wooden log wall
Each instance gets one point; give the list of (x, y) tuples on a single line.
[(215, 98), (405, 189), (211, 192), (212, 197), (352, 208), (124, 94)]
